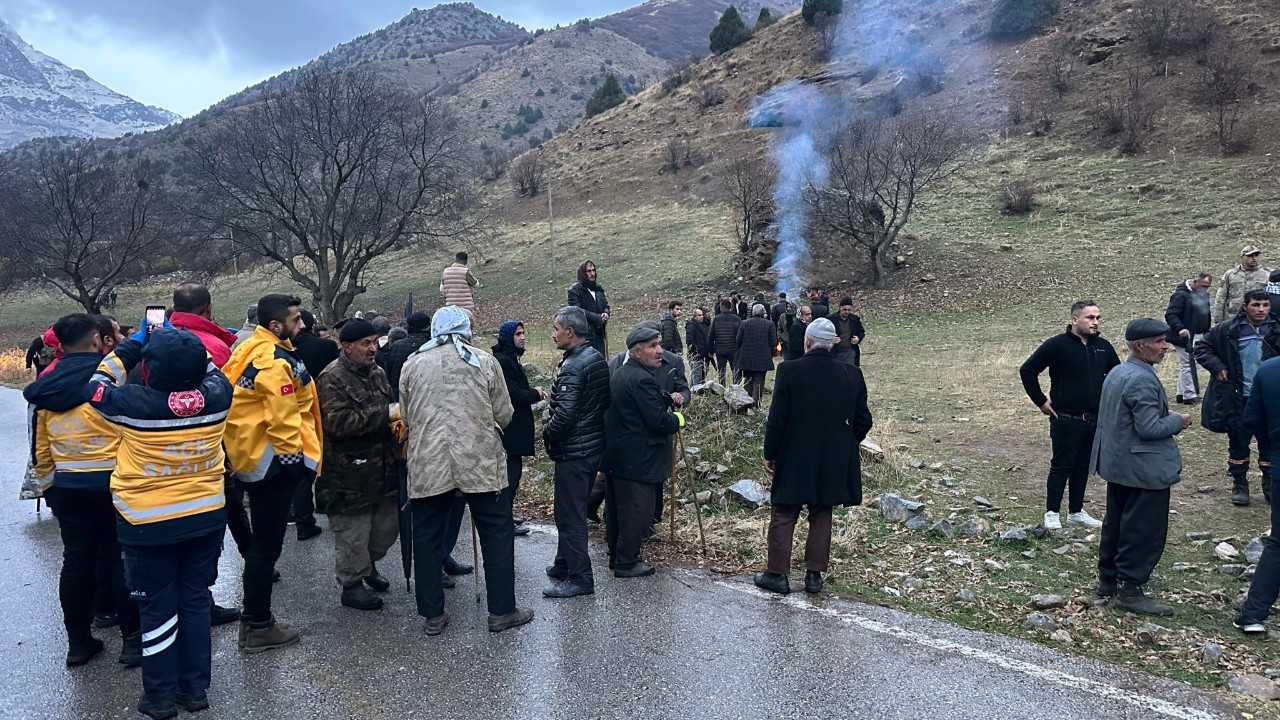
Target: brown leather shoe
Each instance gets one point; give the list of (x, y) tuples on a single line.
[(436, 625), (515, 618)]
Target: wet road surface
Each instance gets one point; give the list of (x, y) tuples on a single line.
[(681, 644)]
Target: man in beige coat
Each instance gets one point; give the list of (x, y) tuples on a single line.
[(456, 282), (454, 400)]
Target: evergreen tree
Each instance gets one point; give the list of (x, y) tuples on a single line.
[(609, 95), (810, 9), (729, 33), (765, 19)]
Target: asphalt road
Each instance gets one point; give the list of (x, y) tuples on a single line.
[(680, 644)]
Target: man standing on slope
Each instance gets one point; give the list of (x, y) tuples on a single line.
[(1248, 275), (588, 295), (456, 282), (1078, 361), (273, 443)]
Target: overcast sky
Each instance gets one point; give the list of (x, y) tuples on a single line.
[(184, 55)]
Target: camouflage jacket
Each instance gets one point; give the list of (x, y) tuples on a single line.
[(359, 451), (1231, 289)]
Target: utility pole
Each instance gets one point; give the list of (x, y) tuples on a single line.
[(551, 227)]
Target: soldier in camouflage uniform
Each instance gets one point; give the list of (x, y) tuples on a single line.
[(357, 485), (1248, 275)]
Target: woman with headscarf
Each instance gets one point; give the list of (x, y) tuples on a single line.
[(518, 437), (454, 400)]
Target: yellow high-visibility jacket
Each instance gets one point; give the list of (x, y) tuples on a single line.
[(72, 445), (275, 415)]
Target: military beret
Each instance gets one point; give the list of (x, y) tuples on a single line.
[(643, 333), (1144, 328)]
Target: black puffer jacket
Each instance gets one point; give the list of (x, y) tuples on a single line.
[(724, 333), (397, 355), (579, 397), (698, 336), (1219, 350)]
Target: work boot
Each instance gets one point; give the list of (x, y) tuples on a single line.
[(244, 631), (81, 650), (1239, 490), (157, 710), (436, 625), (453, 567), (131, 650), (306, 531), (1105, 588), (219, 615), (376, 582), (813, 581), (515, 618), (194, 702), (775, 582), (358, 596), (1132, 599), (270, 635)]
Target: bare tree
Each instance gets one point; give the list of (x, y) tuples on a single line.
[(80, 221), (328, 176), (879, 169), (1222, 85), (1058, 64), (496, 162), (746, 182), (678, 153), (826, 25), (528, 174)]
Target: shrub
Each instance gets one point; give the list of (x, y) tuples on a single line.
[(1058, 64), (609, 95), (1013, 19), (528, 174), (729, 33), (525, 73), (1222, 86), (1017, 197), (540, 93), (678, 153), (484, 104), (1158, 25), (929, 71), (810, 8), (681, 73), (708, 95)]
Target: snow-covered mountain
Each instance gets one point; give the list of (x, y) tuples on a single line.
[(40, 96)]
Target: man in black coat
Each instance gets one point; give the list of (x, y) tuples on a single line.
[(794, 349), (574, 434), (670, 330), (724, 339), (756, 341), (397, 353), (741, 307), (1188, 317), (779, 308), (316, 355), (517, 438), (818, 304), (639, 456), (849, 333), (697, 335), (588, 295), (1232, 352), (818, 418)]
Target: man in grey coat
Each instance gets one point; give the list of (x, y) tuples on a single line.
[(1135, 452)]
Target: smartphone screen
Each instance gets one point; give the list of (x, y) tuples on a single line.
[(154, 317)]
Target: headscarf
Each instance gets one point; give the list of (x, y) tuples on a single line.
[(507, 332), (452, 324), (582, 276)]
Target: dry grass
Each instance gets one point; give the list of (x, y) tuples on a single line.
[(13, 369)]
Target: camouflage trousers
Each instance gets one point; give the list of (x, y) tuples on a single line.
[(361, 540)]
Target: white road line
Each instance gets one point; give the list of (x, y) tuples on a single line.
[(1066, 680)]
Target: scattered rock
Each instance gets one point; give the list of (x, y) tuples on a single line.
[(935, 466), (894, 508), (703, 496), (994, 565), (974, 527), (891, 591), (749, 492), (1225, 551), (714, 388), (914, 583), (1200, 535), (691, 451), (530, 369), (1231, 569), (915, 522), (1210, 653), (983, 502), (917, 464), (1248, 572), (1041, 532), (1253, 551), (1029, 554), (1061, 636), (1048, 602), (1254, 686), (1062, 550), (738, 399), (966, 595), (1204, 489), (1183, 566), (1151, 634), (1043, 622), (1006, 247), (1013, 536), (943, 528)]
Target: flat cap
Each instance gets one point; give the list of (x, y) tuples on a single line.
[(356, 329), (1250, 250), (1145, 328), (642, 333)]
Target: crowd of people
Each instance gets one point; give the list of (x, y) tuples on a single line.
[(1112, 419), (150, 446)]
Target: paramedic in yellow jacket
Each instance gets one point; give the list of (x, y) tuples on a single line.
[(74, 451), (171, 510), (273, 443)]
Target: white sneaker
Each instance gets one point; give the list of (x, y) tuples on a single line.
[(1085, 519), (1052, 521), (1250, 628)]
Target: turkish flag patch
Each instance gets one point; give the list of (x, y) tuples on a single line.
[(186, 403), (97, 394), (287, 389)]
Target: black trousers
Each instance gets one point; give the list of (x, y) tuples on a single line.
[(573, 479), (491, 513), (1134, 531), (237, 516), (1238, 437), (628, 512), (269, 503), (87, 523), (171, 583), (456, 508), (1072, 441), (1266, 579), (515, 466), (304, 502), (723, 362)]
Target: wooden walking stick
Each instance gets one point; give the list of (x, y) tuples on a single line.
[(671, 494), (697, 507)]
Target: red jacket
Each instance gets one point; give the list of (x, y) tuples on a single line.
[(52, 341), (217, 340)]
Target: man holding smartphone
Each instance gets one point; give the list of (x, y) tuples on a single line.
[(273, 443)]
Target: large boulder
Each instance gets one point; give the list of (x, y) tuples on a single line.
[(750, 493), (738, 399)]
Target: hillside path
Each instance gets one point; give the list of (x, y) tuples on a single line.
[(681, 644)]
